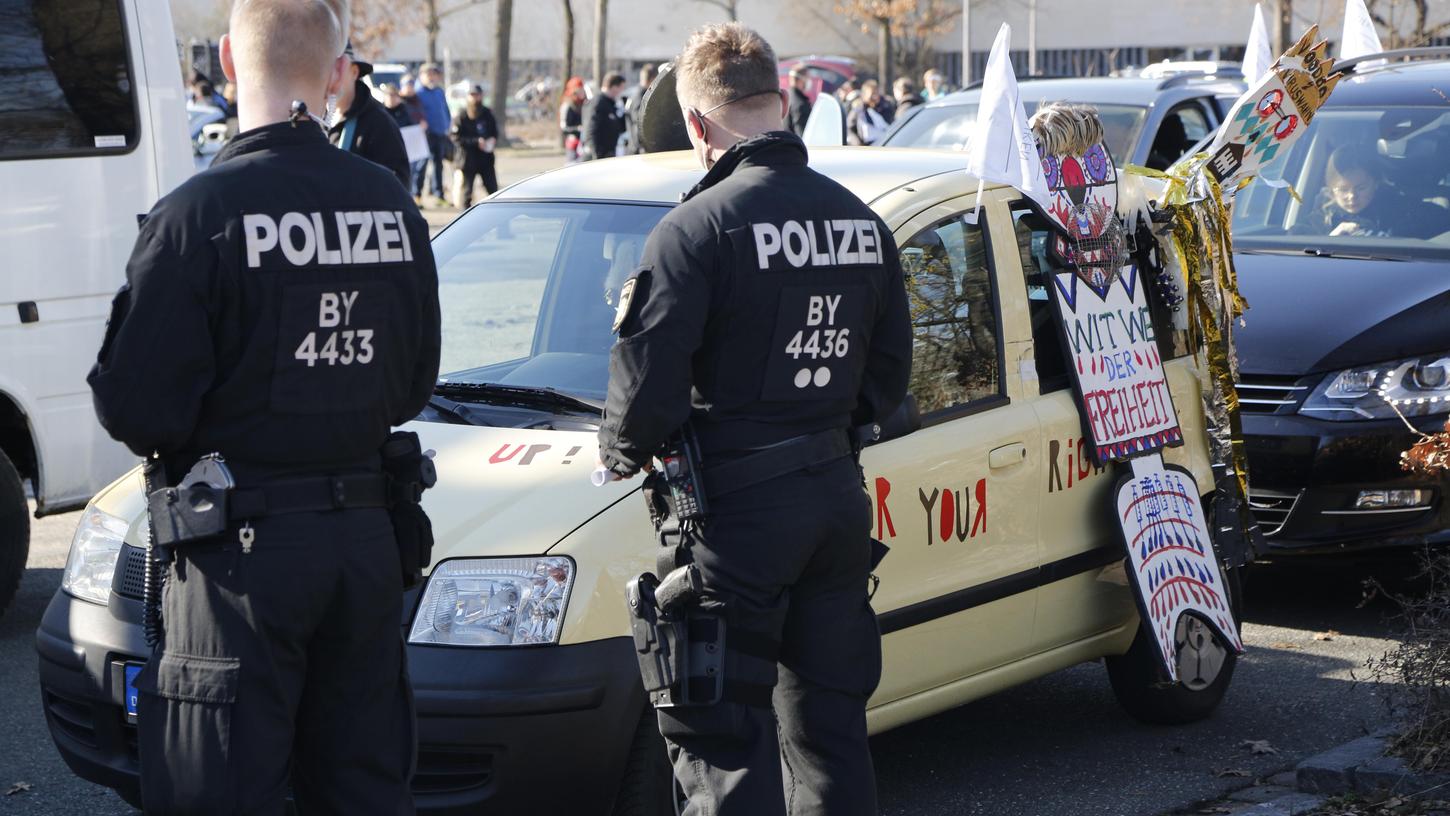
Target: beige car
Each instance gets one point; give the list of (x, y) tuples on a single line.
[(1004, 564)]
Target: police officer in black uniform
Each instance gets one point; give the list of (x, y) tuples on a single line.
[(280, 311), (768, 311), (365, 127)]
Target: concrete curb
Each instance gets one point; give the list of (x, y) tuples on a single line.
[(1361, 766)]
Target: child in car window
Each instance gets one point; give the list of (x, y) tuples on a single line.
[(1358, 201)]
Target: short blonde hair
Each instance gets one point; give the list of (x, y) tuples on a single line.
[(725, 62), (288, 40)]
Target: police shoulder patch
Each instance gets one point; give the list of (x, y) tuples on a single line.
[(628, 304)]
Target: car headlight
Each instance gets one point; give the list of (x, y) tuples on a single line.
[(494, 602), (1418, 386), (93, 552)]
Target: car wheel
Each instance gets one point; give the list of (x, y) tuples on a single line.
[(1205, 667), (14, 530), (648, 787)]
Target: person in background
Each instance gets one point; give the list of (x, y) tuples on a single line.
[(393, 102), (571, 117), (846, 94), (800, 104), (435, 112), (364, 126), (475, 132), (906, 96), (408, 92), (229, 96), (602, 123), (868, 120), (634, 101), (1358, 201), (933, 84)]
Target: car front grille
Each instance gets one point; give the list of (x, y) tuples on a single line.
[(130, 580), (1272, 508), (1261, 394)]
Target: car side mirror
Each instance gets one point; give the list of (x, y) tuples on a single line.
[(906, 419)]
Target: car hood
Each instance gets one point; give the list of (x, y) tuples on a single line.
[(1313, 314), (503, 491), (500, 491)]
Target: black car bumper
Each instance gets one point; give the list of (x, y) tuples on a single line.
[(518, 730), (1306, 474)]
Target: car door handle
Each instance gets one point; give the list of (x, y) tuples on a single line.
[(1007, 456)]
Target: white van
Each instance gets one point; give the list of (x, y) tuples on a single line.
[(92, 132)]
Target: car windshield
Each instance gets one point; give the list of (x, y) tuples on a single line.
[(950, 126), (1371, 182), (529, 291)]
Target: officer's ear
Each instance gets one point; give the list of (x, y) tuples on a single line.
[(229, 65), (784, 104), (339, 71)]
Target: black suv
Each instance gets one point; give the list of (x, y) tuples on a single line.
[(1347, 338)]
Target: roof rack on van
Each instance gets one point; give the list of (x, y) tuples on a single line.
[(975, 84), (1186, 77), (1431, 52)]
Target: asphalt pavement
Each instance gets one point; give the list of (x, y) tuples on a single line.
[(1057, 745)]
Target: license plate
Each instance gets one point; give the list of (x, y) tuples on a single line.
[(132, 670)]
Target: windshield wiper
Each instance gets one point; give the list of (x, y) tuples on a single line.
[(453, 410), (1353, 256), (524, 395)]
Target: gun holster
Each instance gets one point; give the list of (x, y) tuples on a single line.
[(410, 472), (194, 510), (681, 650)]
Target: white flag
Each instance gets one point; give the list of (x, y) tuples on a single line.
[(1359, 38), (1257, 56), (1002, 148)]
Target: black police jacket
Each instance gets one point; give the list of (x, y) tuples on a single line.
[(799, 113), (602, 125), (769, 304), (376, 137), (280, 308), (466, 131)]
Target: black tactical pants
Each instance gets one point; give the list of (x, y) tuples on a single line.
[(281, 667), (786, 561)]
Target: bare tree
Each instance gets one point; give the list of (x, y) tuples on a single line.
[(601, 13), (568, 40), (376, 22), (1408, 23), (434, 13), (910, 24), (730, 7), (502, 33)]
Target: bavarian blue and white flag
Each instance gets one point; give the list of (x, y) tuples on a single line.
[(1002, 148)]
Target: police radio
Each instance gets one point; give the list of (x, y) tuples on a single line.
[(682, 471)]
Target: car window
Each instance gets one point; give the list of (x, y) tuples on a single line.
[(1370, 181), (956, 337), (950, 126), (1181, 129), (1032, 231), (67, 85), (529, 291)]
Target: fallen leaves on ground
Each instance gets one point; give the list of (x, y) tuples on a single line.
[(1257, 747), (1285, 645), (1380, 805), (1227, 772), (1326, 635), (18, 787)]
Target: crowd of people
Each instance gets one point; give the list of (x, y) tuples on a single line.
[(453, 152), (869, 112), (607, 123)]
